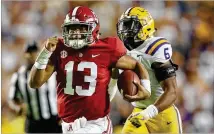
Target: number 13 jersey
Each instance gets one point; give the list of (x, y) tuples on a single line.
[(83, 76)]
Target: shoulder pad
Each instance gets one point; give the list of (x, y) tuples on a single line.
[(160, 49)]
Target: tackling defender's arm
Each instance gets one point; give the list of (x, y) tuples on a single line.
[(43, 68)]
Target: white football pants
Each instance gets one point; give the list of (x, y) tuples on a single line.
[(81, 125)]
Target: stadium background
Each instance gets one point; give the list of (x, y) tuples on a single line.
[(188, 25)]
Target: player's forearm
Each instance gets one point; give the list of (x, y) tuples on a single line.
[(42, 69), (36, 77), (144, 77), (141, 71), (165, 100), (169, 96)]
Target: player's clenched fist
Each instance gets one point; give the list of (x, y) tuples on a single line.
[(51, 43), (46, 52)]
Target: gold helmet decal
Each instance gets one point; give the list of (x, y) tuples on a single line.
[(146, 21)]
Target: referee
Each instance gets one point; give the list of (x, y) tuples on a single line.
[(38, 104)]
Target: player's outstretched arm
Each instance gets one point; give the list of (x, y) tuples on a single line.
[(43, 68), (144, 88)]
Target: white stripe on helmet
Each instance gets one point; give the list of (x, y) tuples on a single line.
[(127, 11), (74, 13)]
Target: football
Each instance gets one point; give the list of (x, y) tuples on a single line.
[(125, 82)]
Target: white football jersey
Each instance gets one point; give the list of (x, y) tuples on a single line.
[(154, 49)]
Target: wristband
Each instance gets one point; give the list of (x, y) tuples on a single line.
[(150, 112), (42, 59), (146, 84)]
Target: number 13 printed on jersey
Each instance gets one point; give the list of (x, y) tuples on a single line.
[(91, 79)]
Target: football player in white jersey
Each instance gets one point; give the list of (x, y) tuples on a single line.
[(157, 114)]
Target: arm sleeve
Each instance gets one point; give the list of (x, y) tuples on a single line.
[(118, 51)]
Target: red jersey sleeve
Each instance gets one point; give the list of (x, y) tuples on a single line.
[(118, 51)]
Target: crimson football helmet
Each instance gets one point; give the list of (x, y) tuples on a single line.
[(80, 28)]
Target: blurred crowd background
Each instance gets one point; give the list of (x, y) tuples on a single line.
[(188, 25)]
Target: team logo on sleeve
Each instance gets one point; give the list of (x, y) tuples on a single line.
[(64, 54)]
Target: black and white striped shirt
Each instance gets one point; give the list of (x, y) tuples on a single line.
[(41, 103)]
